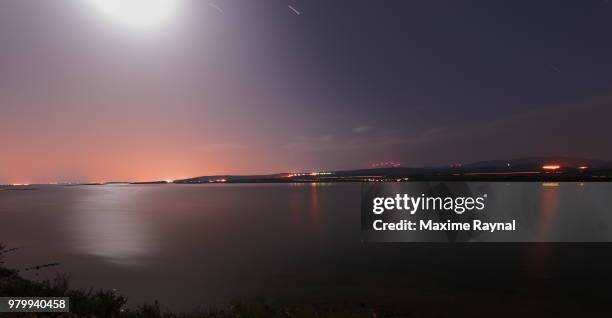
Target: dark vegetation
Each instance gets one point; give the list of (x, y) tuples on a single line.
[(109, 303), (560, 301)]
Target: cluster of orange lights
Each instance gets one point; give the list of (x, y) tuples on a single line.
[(557, 167)]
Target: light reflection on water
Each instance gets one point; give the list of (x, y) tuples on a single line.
[(109, 223), (314, 204), (548, 206)]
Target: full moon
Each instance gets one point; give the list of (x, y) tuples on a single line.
[(137, 13)]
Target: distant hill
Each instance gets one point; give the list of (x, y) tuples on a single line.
[(525, 169)]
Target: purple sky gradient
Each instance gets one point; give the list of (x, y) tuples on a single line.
[(257, 88)]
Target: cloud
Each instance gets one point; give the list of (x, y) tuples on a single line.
[(327, 138), (361, 129), (574, 130)]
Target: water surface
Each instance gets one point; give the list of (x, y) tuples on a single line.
[(188, 245)]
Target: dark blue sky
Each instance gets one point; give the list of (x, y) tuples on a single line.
[(342, 84), (470, 60), (420, 71)]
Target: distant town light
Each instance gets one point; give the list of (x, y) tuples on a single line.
[(583, 167), (217, 181), (551, 167)]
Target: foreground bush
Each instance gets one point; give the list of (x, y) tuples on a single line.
[(108, 303)]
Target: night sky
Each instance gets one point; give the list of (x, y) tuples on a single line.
[(245, 86)]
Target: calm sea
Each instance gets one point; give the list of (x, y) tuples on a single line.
[(190, 245)]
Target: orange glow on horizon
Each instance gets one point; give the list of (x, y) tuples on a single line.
[(551, 167)]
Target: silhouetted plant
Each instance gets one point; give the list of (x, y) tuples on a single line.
[(109, 303)]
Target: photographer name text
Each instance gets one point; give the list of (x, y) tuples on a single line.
[(410, 205)]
